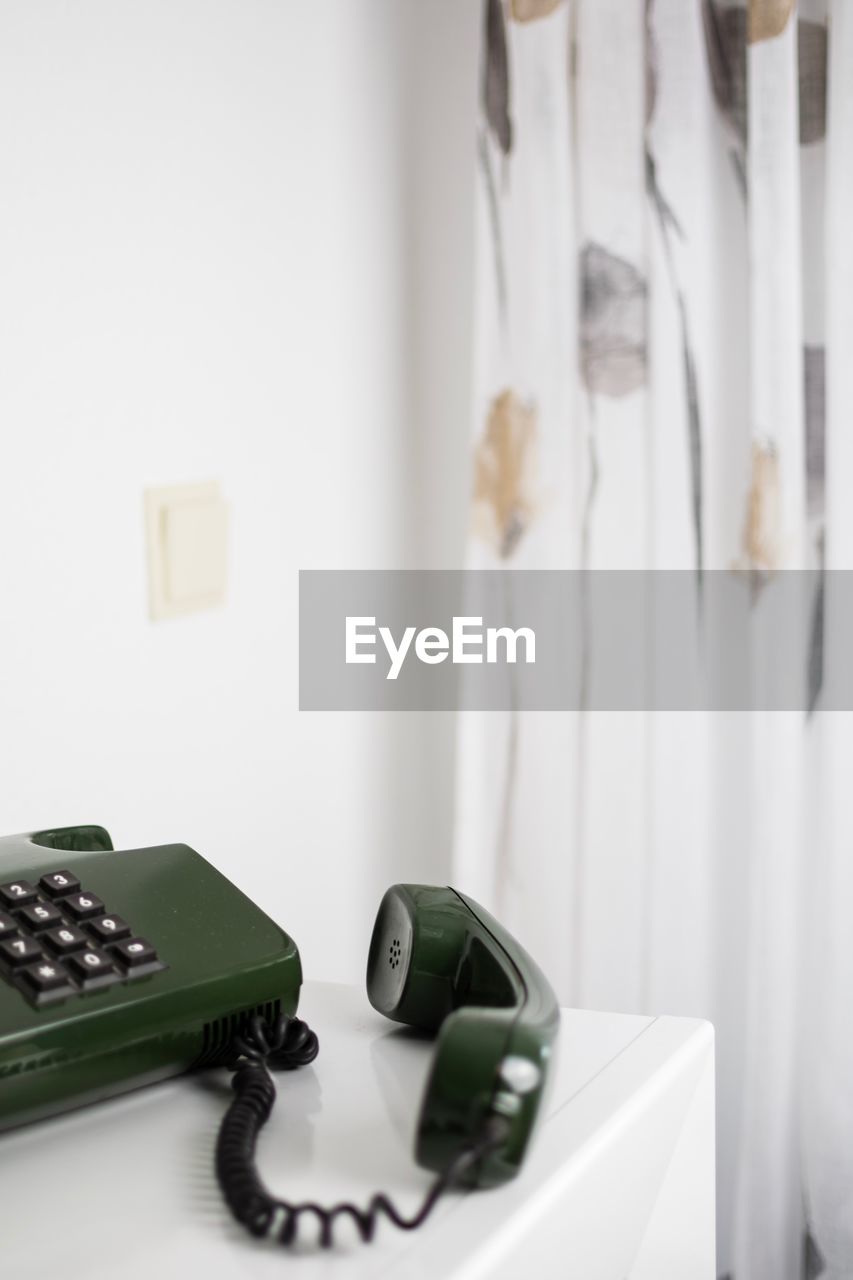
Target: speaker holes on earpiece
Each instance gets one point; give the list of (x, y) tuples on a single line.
[(394, 953)]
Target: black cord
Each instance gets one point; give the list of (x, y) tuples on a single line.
[(284, 1045)]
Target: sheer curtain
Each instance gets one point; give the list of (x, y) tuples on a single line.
[(663, 326)]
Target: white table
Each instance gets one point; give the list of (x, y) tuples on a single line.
[(619, 1183)]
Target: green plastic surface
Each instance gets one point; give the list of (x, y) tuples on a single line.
[(225, 959), (439, 961)]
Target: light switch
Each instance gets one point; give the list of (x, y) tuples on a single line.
[(187, 529)]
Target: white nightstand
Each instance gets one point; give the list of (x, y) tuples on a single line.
[(619, 1182)]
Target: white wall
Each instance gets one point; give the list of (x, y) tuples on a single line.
[(234, 245)]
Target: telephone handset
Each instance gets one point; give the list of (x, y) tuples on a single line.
[(439, 961), (123, 968)]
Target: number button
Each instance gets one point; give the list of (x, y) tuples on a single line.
[(90, 963), (66, 939), (18, 951), (59, 883), (83, 905), (8, 926), (16, 893), (109, 928), (49, 975), (41, 915), (135, 952)]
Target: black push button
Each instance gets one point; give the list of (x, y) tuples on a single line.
[(83, 905), (109, 928), (8, 926), (90, 963), (41, 915), (59, 883), (66, 939), (49, 975), (18, 951), (135, 951), (16, 893)]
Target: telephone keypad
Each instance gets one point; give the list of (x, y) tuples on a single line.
[(16, 893), (8, 926), (46, 975), (108, 929), (59, 883), (18, 951), (135, 952), (89, 964), (66, 939), (68, 943), (40, 915), (82, 905)]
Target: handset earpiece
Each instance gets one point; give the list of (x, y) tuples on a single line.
[(439, 961), (413, 962)]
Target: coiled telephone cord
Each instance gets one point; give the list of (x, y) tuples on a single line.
[(285, 1044)]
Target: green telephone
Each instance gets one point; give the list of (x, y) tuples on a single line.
[(125, 967)]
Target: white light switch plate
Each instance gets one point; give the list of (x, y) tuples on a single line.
[(186, 534)]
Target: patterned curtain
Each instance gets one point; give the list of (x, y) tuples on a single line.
[(664, 329)]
